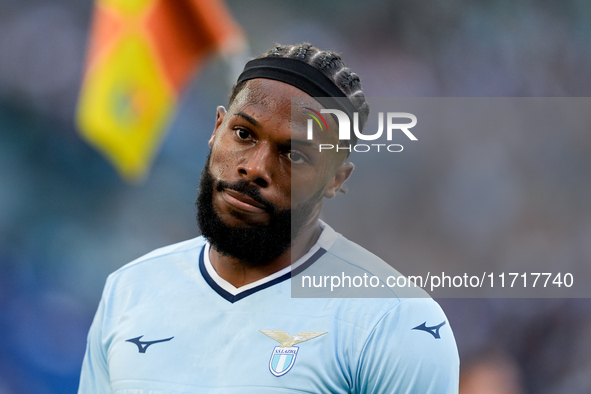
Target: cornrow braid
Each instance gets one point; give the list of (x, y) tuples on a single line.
[(331, 65)]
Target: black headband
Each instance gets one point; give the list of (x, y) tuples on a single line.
[(301, 75)]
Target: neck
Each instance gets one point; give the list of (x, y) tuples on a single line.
[(238, 274)]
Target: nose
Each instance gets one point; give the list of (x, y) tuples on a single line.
[(257, 165)]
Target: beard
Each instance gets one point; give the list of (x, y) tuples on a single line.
[(253, 245)]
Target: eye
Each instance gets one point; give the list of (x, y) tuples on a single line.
[(295, 157), (243, 134)]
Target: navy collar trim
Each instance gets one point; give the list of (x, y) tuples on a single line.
[(233, 298)]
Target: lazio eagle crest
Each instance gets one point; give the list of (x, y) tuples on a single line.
[(283, 356)]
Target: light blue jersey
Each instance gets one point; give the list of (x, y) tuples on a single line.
[(167, 323)]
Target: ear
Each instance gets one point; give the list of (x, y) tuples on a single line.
[(221, 113), (342, 173)]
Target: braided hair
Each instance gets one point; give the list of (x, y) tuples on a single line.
[(331, 64)]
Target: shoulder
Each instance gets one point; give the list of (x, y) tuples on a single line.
[(166, 252), (346, 269), (170, 261), (416, 337), (396, 317), (402, 326), (355, 255)]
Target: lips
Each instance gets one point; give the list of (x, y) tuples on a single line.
[(242, 201)]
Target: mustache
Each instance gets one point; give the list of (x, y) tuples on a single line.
[(246, 188)]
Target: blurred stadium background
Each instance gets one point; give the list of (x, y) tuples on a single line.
[(67, 220)]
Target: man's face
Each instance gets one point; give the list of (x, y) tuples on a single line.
[(262, 171)]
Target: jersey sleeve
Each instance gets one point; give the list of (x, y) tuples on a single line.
[(410, 350), (94, 377)]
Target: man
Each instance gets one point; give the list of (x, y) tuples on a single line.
[(215, 314)]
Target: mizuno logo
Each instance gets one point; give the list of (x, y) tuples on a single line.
[(433, 330), (143, 346)]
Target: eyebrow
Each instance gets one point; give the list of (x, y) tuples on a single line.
[(248, 118), (302, 142)]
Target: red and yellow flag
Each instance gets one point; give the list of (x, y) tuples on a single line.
[(141, 54)]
